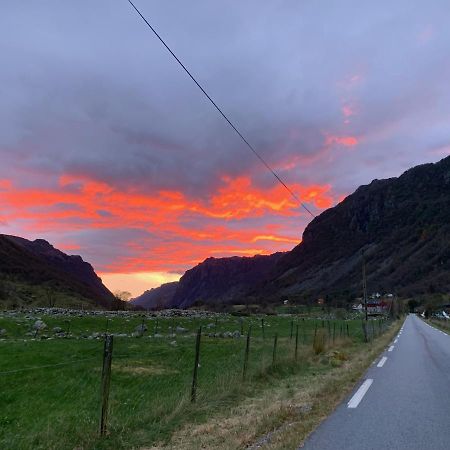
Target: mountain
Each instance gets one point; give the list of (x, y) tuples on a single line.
[(222, 280), (38, 263), (157, 298), (401, 224)]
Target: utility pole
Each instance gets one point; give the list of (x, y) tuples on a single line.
[(364, 284)]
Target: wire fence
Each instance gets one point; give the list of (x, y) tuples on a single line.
[(51, 394)]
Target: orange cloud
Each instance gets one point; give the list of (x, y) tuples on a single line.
[(178, 231), (346, 141), (273, 238), (347, 111)]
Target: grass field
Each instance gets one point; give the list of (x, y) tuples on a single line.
[(50, 387)]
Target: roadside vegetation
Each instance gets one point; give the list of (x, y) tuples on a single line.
[(440, 323), (50, 377)]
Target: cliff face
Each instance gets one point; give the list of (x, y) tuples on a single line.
[(222, 280), (157, 298), (403, 226), (38, 262)]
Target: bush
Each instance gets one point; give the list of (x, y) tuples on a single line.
[(319, 342)]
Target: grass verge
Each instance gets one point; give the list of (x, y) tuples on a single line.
[(282, 413), (443, 326)]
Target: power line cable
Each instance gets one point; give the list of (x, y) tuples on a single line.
[(222, 113)]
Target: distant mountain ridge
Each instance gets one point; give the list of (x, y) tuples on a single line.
[(222, 280), (157, 298), (38, 262), (213, 281)]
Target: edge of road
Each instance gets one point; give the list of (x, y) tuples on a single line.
[(294, 435)]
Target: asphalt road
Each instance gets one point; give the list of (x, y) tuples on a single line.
[(405, 406)]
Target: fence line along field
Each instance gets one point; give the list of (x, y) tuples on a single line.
[(51, 370)]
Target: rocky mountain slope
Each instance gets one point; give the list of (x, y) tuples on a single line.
[(37, 263), (157, 298), (222, 280), (402, 225)]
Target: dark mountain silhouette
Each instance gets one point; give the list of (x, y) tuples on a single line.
[(402, 225), (222, 280), (157, 298), (39, 263)]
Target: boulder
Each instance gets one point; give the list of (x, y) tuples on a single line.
[(39, 325)]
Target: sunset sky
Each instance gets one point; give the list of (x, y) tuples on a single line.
[(108, 149)]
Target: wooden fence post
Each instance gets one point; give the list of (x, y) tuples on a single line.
[(274, 356), (292, 329), (247, 351), (296, 342), (364, 327), (262, 329), (197, 359), (106, 381)]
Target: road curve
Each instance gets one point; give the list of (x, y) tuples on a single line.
[(402, 402)]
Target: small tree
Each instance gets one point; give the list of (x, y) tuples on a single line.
[(121, 300), (51, 298), (412, 305)]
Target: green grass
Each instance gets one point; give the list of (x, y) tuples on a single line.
[(58, 407), (442, 324), (16, 293)]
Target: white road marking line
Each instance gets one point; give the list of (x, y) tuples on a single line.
[(396, 341), (382, 361), (391, 348), (360, 393)]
